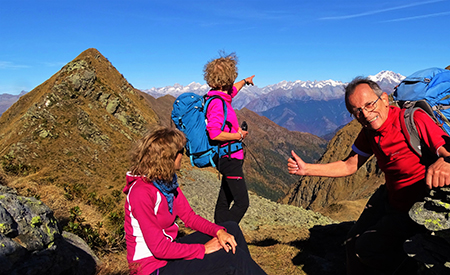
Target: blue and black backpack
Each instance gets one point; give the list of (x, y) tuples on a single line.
[(189, 116), (428, 90)]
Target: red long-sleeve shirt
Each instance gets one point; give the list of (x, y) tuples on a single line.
[(402, 168)]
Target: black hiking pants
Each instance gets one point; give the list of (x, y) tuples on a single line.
[(217, 263), (232, 190)]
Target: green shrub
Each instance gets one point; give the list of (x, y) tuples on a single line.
[(12, 167), (89, 234)]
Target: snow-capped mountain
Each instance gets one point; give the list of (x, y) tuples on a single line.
[(386, 77), (288, 85), (270, 96), (178, 89), (262, 99), (387, 80)]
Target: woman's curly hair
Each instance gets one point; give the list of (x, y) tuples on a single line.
[(221, 73), (154, 155)]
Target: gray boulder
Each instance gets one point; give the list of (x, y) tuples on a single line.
[(31, 241), (432, 248)]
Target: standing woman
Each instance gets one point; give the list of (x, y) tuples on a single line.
[(153, 202), (220, 75)]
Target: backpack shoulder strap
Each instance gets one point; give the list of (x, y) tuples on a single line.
[(409, 129), (225, 111), (408, 125)]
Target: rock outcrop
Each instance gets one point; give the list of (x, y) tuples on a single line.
[(323, 194), (31, 241), (432, 248)]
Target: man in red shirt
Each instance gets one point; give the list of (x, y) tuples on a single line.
[(376, 240)]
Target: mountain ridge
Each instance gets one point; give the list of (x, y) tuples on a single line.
[(319, 90)]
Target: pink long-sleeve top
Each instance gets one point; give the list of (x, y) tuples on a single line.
[(150, 229), (215, 116)]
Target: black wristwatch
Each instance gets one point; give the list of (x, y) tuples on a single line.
[(447, 159), (246, 83)]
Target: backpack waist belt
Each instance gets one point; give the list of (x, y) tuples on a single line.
[(230, 148)]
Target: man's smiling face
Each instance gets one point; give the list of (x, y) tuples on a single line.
[(364, 98)]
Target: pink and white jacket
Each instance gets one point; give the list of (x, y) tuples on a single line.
[(215, 116), (150, 229)]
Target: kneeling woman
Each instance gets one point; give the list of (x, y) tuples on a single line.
[(153, 202)]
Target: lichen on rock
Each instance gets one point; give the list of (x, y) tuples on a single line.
[(432, 248), (31, 241)]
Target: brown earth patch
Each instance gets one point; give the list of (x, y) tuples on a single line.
[(344, 211)]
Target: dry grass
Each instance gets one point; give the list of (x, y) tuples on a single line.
[(276, 259), (345, 210), (113, 264), (53, 197), (272, 248)]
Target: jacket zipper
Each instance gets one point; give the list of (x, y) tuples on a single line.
[(234, 177)]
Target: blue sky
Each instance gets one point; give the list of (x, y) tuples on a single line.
[(163, 42)]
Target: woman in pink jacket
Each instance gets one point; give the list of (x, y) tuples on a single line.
[(153, 202), (220, 75)]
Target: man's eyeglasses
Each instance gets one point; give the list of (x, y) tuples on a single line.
[(369, 107)]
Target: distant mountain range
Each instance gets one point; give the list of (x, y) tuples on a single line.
[(284, 91), (316, 107), (6, 100)]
